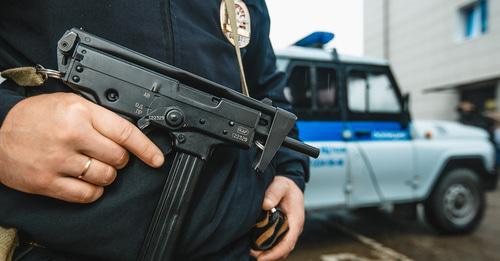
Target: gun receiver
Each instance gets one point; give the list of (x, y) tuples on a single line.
[(198, 114)]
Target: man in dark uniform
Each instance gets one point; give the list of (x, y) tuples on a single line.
[(49, 138)]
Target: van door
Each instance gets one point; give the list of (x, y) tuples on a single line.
[(381, 149), (313, 90)]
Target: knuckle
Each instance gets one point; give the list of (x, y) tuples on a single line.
[(109, 176), (125, 133), (147, 151), (87, 195), (122, 160), (75, 107), (73, 110)]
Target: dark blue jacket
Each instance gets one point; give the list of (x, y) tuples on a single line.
[(187, 34)]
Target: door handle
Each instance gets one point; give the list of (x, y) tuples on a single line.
[(362, 133)]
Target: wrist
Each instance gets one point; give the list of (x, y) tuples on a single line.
[(8, 99), (297, 180)]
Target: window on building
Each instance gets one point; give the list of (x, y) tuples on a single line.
[(372, 93), (474, 18)]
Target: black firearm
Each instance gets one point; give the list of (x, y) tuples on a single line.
[(198, 114)]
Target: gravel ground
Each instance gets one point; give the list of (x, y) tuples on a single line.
[(373, 235)]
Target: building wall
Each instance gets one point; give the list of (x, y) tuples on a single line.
[(422, 40), (374, 28)]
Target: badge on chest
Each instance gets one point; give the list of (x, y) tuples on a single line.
[(243, 23)]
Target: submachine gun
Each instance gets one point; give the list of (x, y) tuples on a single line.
[(198, 115)]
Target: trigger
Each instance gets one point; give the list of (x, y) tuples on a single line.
[(143, 123)]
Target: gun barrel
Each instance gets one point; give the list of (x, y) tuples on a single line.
[(301, 147)]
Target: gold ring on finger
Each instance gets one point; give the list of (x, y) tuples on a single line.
[(86, 168)]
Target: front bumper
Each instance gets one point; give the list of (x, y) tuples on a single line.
[(490, 180)]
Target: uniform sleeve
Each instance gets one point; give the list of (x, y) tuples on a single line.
[(265, 81), (10, 95)]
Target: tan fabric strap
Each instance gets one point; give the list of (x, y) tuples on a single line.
[(24, 76), (8, 243)]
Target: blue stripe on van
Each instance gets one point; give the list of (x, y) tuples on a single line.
[(320, 130), (367, 131)]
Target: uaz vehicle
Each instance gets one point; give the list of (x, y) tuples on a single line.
[(372, 153)]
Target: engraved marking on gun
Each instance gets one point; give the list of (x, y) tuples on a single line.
[(147, 95), (139, 106), (156, 118), (243, 130), (239, 137)]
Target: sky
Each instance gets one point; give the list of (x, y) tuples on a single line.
[(293, 19)]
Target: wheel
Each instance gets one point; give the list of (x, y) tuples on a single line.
[(457, 202)]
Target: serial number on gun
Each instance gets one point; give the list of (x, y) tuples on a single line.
[(156, 118), (239, 137)]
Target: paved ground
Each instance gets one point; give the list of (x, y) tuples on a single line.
[(372, 235)]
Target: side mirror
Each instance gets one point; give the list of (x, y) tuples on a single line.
[(405, 113)]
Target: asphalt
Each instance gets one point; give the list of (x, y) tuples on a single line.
[(375, 235)]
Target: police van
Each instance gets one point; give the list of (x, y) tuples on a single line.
[(372, 153)]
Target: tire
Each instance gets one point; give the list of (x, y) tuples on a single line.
[(457, 203)]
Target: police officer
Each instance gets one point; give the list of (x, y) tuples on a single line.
[(79, 182)]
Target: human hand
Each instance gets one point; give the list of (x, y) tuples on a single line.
[(65, 147), (286, 195)]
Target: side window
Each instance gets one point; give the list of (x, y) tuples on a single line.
[(371, 92), (299, 88), (382, 94), (357, 89), (326, 96), (313, 89)]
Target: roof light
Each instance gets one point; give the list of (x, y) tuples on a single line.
[(315, 40)]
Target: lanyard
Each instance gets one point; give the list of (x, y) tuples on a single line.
[(231, 11)]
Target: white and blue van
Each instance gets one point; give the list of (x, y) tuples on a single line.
[(372, 153)]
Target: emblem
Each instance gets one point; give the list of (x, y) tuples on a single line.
[(243, 20)]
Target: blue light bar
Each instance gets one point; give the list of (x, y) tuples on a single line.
[(315, 40)]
